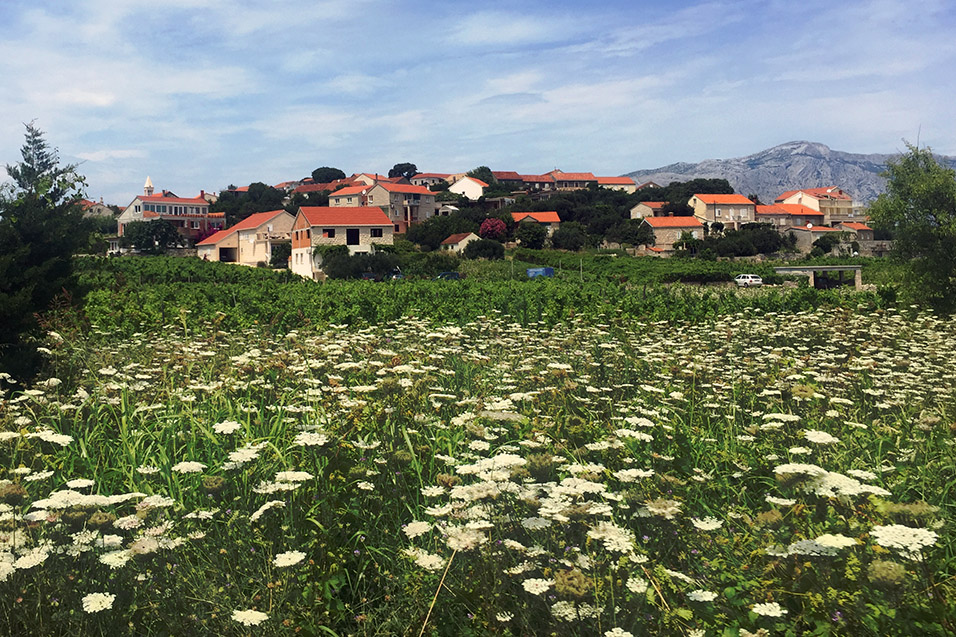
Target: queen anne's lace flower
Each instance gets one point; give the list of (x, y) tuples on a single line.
[(770, 609), (95, 602), (249, 617)]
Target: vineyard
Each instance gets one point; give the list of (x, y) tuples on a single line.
[(230, 451)]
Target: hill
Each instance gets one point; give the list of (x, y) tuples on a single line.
[(785, 167)]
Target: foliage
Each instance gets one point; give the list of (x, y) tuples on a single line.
[(751, 239), (238, 205), (151, 237), (484, 174), (677, 209), (484, 249), (41, 228), (280, 255), (632, 231), (327, 174), (540, 472), (827, 242), (406, 170), (430, 233), (531, 235), (570, 235), (919, 209), (492, 228)]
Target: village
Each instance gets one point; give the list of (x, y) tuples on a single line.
[(367, 210)]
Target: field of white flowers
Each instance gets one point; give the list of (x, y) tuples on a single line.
[(753, 474)]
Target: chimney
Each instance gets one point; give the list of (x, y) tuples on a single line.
[(202, 194)]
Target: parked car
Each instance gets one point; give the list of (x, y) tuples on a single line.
[(370, 276), (748, 280), (448, 276)]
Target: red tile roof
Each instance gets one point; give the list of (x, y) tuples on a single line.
[(477, 181), (726, 200), (549, 216), (673, 222), (831, 192), (345, 216), (653, 205), (456, 238), (506, 175), (537, 178), (432, 176), (407, 189)]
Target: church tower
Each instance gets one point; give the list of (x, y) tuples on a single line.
[(148, 187)]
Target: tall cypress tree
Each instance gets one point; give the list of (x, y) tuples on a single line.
[(41, 228)]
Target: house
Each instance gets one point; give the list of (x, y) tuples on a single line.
[(190, 216), (358, 227), (730, 210), (669, 230), (538, 182), (835, 204), (649, 184), (469, 187), (648, 209), (429, 179), (858, 231), (783, 216), (549, 219), (572, 181), (405, 204), (625, 184), (807, 235), (508, 179), (94, 209), (250, 241), (457, 242)]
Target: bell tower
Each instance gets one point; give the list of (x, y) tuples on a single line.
[(148, 187)]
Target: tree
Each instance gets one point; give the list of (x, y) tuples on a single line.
[(152, 237), (484, 174), (326, 174), (492, 228), (919, 209), (41, 228), (484, 249), (405, 170), (280, 255), (531, 235), (569, 236)]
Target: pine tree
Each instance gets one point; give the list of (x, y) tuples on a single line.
[(41, 228)]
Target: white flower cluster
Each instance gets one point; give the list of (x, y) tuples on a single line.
[(908, 540)]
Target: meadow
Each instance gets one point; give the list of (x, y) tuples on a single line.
[(266, 456)]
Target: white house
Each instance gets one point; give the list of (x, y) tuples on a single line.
[(469, 187), (358, 227)]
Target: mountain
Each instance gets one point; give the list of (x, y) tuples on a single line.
[(789, 166)]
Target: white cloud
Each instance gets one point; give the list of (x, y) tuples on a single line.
[(512, 29), (104, 155)]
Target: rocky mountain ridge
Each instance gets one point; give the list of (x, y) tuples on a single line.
[(789, 166)]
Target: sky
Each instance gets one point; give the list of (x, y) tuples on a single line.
[(201, 94)]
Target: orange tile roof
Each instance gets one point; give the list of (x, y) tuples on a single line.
[(654, 205), (673, 222), (213, 239), (345, 216), (792, 209), (563, 176), (549, 216), (456, 238), (616, 181), (182, 200), (831, 192), (432, 176), (405, 189), (724, 199), (853, 225), (816, 229), (537, 178), (350, 191), (477, 181)]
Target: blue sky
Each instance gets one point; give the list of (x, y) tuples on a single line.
[(199, 94)]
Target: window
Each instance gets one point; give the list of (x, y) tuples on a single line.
[(195, 225), (328, 233), (376, 233), (136, 209), (718, 212), (308, 233), (396, 227), (352, 236)]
